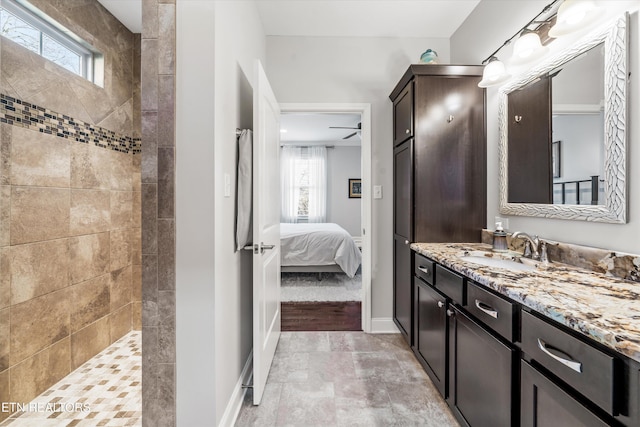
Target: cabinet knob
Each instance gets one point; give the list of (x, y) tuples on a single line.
[(517, 119), (451, 313), (407, 131), (440, 304), (406, 242), (450, 119)]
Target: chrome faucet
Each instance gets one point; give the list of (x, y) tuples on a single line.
[(534, 242)]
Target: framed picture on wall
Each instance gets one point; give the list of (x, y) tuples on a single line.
[(555, 158), (355, 188)]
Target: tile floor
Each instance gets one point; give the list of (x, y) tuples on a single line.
[(105, 391), (346, 379)]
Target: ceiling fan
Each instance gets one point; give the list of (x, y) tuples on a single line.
[(357, 129)]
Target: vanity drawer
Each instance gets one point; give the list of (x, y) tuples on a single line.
[(424, 268), (581, 365), (493, 310), (451, 284)]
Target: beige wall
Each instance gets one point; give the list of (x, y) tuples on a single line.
[(70, 225)]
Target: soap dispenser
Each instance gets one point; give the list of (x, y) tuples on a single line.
[(500, 239)]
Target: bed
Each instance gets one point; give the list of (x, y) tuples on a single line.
[(318, 247)]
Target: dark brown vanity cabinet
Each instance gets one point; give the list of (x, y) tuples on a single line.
[(402, 236), (439, 143), (430, 320), (481, 390), (469, 363)]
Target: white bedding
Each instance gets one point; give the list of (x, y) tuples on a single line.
[(319, 244)]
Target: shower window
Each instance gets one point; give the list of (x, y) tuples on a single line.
[(30, 28)]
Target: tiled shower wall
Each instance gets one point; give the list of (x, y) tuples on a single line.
[(70, 202), (158, 213)]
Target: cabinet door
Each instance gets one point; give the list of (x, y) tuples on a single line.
[(529, 169), (430, 330), (402, 299), (449, 160), (403, 115), (403, 190), (545, 404), (480, 373)]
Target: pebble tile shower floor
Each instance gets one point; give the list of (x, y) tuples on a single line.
[(346, 379), (109, 385)]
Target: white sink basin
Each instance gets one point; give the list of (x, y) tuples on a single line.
[(498, 262)]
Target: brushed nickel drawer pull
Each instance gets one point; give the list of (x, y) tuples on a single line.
[(440, 304), (425, 270), (486, 309), (572, 364)]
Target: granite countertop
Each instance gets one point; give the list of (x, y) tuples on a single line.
[(604, 308)]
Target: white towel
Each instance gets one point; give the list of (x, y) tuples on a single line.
[(244, 232)]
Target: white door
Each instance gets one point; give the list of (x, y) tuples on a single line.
[(266, 230)]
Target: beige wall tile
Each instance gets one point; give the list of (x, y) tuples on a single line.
[(89, 341), (39, 159), (120, 249), (90, 301), (136, 208), (38, 323), (121, 168), (38, 269), (5, 215), (121, 209), (90, 211), (136, 283), (5, 318), (90, 167), (89, 256), (120, 322), (39, 372), (120, 288), (5, 278), (38, 214), (136, 316), (5, 153), (136, 246), (4, 392)]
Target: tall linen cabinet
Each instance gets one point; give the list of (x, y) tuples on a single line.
[(439, 167)]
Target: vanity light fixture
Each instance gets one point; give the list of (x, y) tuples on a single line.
[(574, 15), (527, 48), (494, 73), (570, 16)]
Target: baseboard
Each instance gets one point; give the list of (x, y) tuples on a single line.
[(237, 397), (383, 325)]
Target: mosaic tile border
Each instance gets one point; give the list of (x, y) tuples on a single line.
[(24, 114)]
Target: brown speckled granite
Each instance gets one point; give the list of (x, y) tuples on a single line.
[(602, 307), (611, 263)]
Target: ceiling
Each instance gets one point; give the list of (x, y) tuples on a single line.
[(337, 18), (314, 129), (364, 18), (129, 12), (347, 18)]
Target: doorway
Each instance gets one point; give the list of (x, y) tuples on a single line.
[(357, 126)]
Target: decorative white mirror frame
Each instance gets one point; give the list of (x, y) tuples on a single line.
[(614, 210)]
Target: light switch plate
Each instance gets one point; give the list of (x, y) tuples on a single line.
[(227, 185), (377, 191)]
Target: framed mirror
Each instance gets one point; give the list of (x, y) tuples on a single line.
[(565, 157)]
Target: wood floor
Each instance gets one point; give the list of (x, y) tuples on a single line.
[(321, 316)]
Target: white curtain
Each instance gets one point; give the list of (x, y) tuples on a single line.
[(317, 157), (289, 191)]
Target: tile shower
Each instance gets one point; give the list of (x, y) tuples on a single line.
[(70, 204)]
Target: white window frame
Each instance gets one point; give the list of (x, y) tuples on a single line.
[(47, 26)]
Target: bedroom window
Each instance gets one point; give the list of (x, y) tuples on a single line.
[(33, 30), (304, 184)]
